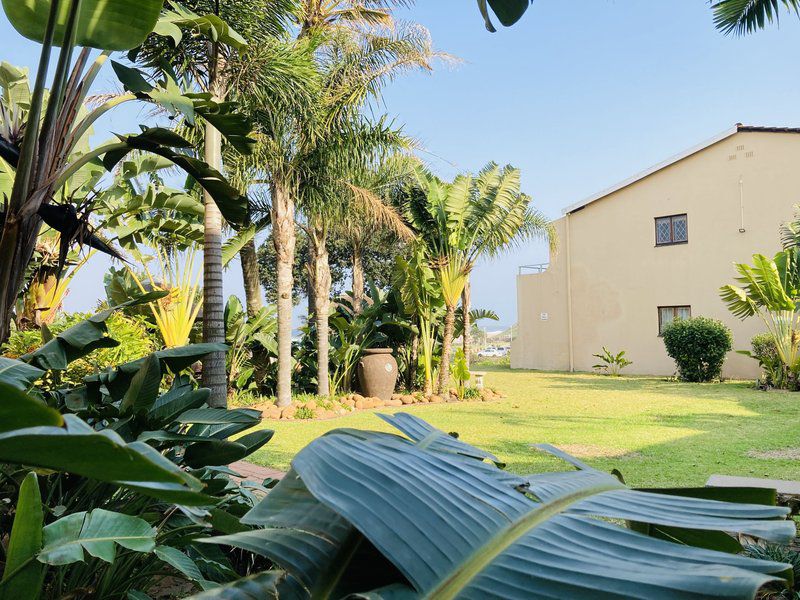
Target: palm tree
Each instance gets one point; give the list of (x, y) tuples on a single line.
[(219, 69), (462, 221), (297, 140), (518, 222), (339, 191), (746, 16)]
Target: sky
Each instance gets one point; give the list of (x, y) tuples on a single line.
[(578, 96)]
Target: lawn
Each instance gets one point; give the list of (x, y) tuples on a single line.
[(656, 432)]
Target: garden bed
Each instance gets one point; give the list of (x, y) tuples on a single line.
[(318, 408)]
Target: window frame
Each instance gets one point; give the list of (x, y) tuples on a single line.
[(672, 241), (674, 308)]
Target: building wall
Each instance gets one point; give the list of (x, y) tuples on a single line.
[(619, 277)]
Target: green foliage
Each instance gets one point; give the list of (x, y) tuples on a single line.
[(472, 393), (122, 452), (782, 554), (486, 532), (134, 337), (304, 412), (775, 373), (118, 25), (460, 372), (746, 16), (251, 341), (611, 363), (698, 346)]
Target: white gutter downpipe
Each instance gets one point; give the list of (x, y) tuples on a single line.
[(741, 205), (569, 299)]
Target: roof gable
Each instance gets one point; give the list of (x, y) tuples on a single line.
[(674, 159)]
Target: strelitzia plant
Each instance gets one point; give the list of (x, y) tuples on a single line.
[(770, 290), (175, 313)]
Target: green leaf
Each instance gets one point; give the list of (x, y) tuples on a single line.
[(19, 411), (220, 416), (82, 338), (102, 24), (22, 577), (144, 386), (18, 374), (231, 202), (79, 449), (131, 78), (213, 453), (96, 532), (183, 564), (468, 529), (173, 22), (270, 584)]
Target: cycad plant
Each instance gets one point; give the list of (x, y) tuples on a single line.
[(175, 313), (770, 289)]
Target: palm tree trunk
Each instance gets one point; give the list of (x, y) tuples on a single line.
[(447, 346), (311, 286), (322, 303), (252, 286), (467, 337), (214, 374), (411, 375), (284, 240), (358, 276)]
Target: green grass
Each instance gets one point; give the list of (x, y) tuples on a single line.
[(656, 432)]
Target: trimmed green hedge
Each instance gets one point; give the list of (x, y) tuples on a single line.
[(698, 346)]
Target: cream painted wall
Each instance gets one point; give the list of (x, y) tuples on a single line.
[(619, 277)]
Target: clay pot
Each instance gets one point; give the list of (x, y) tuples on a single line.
[(377, 373)]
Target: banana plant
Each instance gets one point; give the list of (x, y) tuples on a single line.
[(44, 157), (425, 515), (770, 290), (242, 333), (130, 468)]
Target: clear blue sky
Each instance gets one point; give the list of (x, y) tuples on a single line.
[(579, 95)]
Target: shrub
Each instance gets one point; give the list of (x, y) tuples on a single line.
[(131, 332), (766, 353), (471, 393), (698, 346)]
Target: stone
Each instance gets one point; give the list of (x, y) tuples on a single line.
[(360, 405), (407, 399), (341, 411), (311, 405), (357, 397), (377, 402), (272, 412), (436, 399), (326, 414), (396, 396), (288, 412), (349, 402)]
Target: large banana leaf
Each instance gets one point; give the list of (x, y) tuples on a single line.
[(270, 584), (455, 526), (35, 435), (231, 202), (103, 24), (17, 373), (22, 577), (175, 360), (97, 532)]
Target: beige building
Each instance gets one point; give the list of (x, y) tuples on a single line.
[(656, 247)]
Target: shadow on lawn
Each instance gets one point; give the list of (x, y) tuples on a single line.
[(713, 442)]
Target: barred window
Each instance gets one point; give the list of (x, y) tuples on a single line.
[(672, 230), (668, 314)]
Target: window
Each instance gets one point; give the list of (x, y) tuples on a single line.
[(672, 230), (668, 314)]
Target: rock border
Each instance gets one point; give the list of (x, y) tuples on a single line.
[(338, 407)]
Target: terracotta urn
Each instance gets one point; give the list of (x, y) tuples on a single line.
[(377, 373)]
